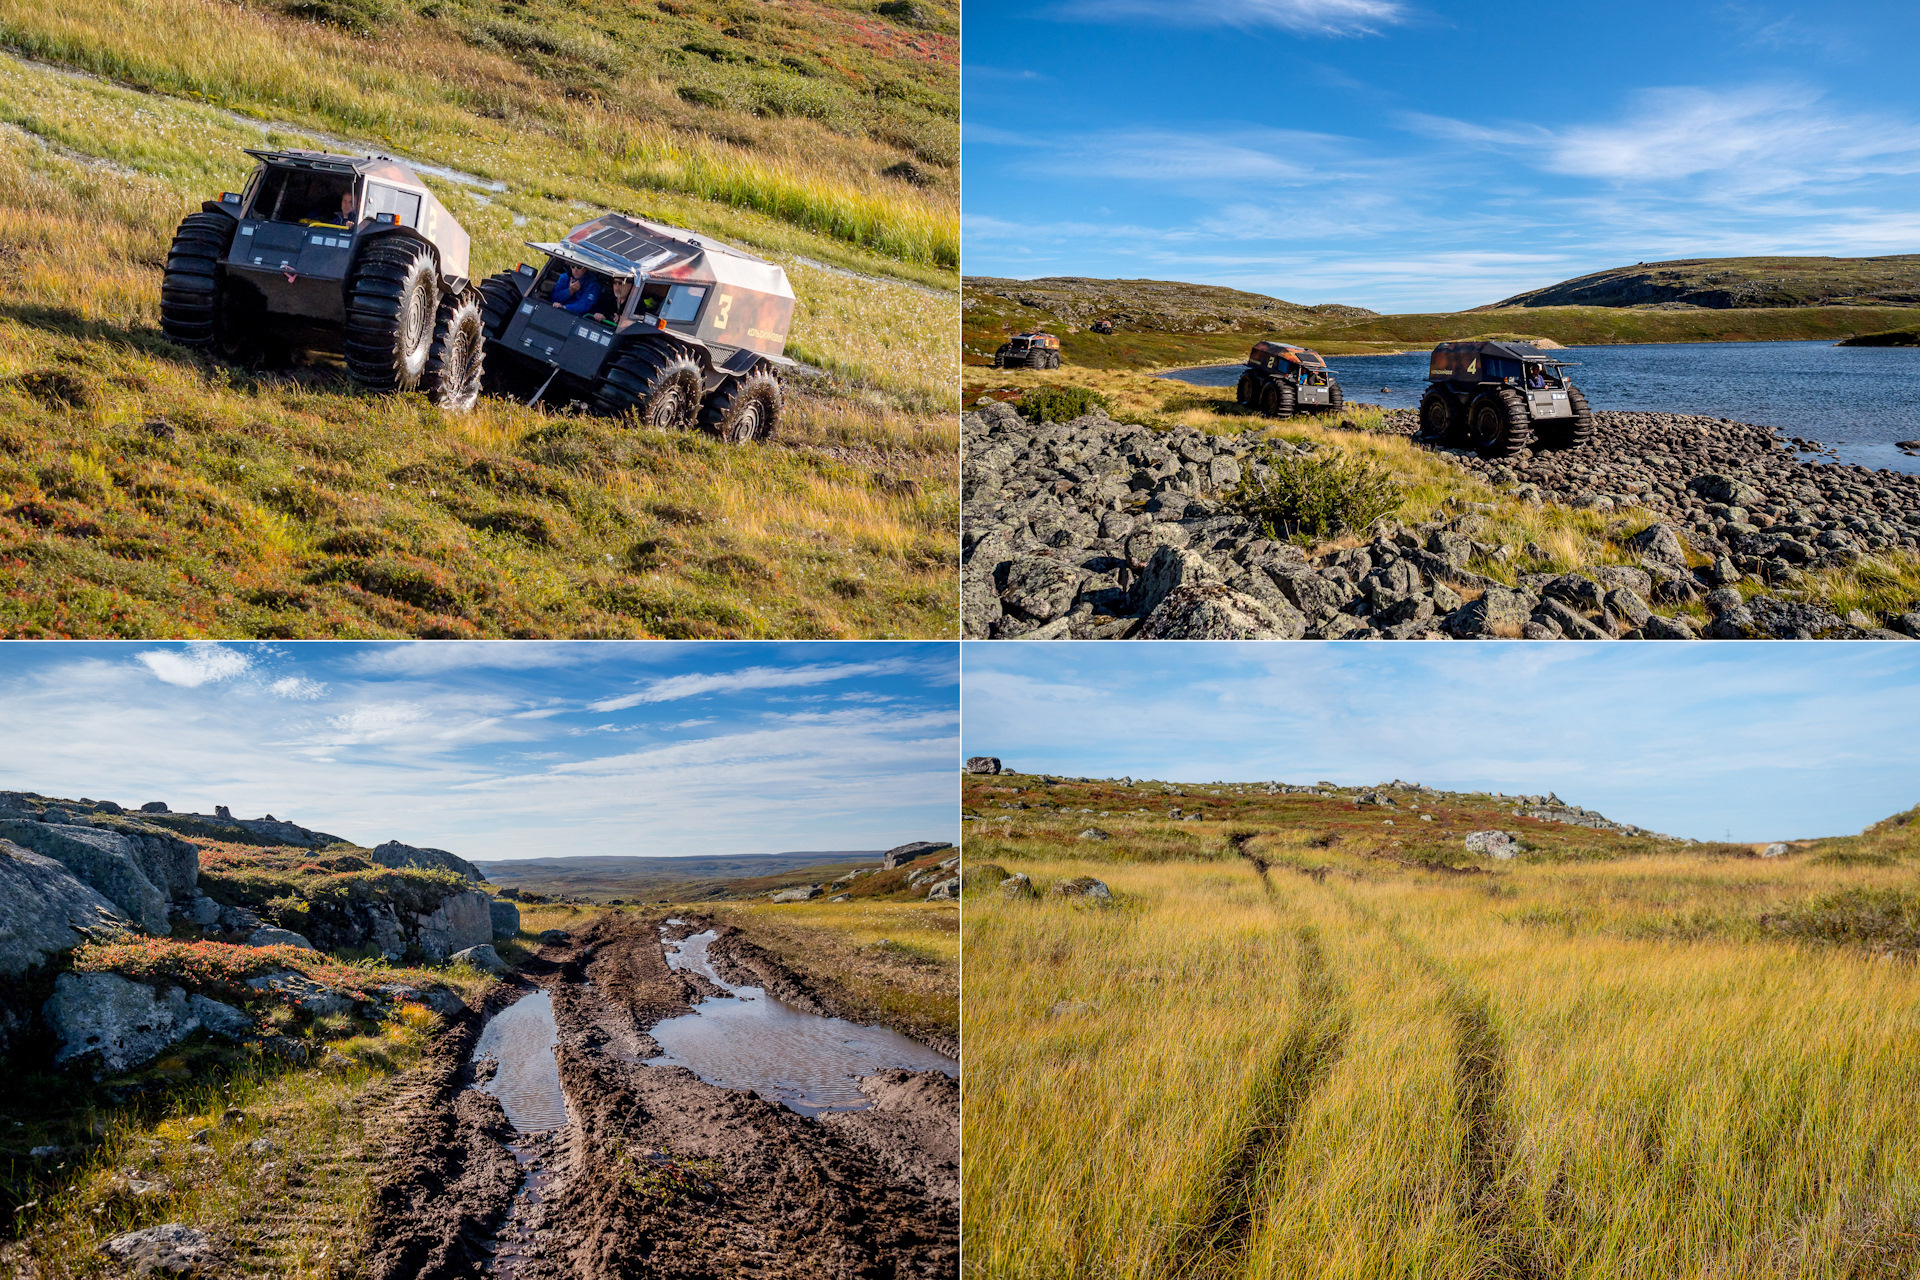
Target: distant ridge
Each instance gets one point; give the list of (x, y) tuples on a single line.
[(1725, 284)]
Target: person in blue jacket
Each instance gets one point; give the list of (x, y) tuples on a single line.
[(578, 292)]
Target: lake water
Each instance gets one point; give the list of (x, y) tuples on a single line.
[(1856, 400), (750, 1040)]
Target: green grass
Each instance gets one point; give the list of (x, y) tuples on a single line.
[(146, 491), (1359, 1064)]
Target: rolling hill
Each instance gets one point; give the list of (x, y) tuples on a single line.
[(1724, 284)]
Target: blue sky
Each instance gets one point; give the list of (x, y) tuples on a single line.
[(1767, 741), (1409, 156), (505, 750)]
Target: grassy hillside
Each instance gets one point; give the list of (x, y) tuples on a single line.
[(988, 317), (710, 879), (145, 491), (1723, 283), (1299, 1045)]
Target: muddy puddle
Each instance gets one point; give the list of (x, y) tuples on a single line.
[(747, 1039), (520, 1038)]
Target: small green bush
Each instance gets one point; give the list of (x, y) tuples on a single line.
[(1317, 495), (1062, 404), (361, 17), (1879, 918)]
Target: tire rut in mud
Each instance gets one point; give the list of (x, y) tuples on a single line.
[(659, 1174), (1281, 1088)]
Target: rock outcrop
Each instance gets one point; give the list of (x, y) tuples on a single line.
[(461, 920), (983, 764), (125, 1022), (105, 860), (506, 919), (45, 909), (901, 855), (395, 854)]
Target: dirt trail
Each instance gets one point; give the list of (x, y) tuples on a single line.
[(658, 1174)]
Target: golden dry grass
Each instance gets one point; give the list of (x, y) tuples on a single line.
[(1595, 1069)]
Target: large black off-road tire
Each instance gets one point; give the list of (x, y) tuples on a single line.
[(653, 381), (457, 360), (1247, 391), (1335, 400), (1439, 418), (743, 410), (999, 359), (1278, 399), (1053, 359), (499, 299), (1498, 423), (190, 291), (1580, 434), (392, 301)]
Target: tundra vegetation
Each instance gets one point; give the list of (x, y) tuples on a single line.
[(144, 490), (1312, 1036)]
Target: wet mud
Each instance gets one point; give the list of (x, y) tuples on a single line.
[(655, 1172)]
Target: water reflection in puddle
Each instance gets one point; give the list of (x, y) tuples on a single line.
[(521, 1038), (750, 1040)]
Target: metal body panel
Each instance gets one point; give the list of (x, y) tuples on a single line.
[(1549, 404), (1309, 393), (552, 336)]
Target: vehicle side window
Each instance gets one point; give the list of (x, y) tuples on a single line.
[(683, 302), (1442, 366), (382, 199)]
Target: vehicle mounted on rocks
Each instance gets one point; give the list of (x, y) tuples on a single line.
[(1502, 397), (1282, 379), (1028, 351), (667, 324), (325, 252)]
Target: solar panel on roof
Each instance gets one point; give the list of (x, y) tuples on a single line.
[(630, 245)]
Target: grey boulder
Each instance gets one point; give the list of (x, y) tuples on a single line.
[(805, 893), (506, 919), (1775, 850), (103, 859), (45, 909), (302, 992), (461, 920), (125, 1022), (396, 855), (221, 1019), (172, 1249), (1085, 888), (481, 957), (1017, 886), (900, 855), (945, 890), (983, 764), (1499, 845)]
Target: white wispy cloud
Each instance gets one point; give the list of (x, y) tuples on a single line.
[(298, 688), (675, 688), (1303, 17), (198, 664)]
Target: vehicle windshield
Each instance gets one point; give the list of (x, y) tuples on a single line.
[(304, 195)]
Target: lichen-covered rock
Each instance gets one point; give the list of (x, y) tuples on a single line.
[(1499, 845), (103, 859), (125, 1022), (271, 937), (900, 855), (462, 920), (481, 957), (1085, 888), (1017, 886), (506, 919), (46, 909), (804, 893), (395, 854), (221, 1019), (172, 1249), (983, 764)]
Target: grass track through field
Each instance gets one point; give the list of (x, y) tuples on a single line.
[(1281, 1089)]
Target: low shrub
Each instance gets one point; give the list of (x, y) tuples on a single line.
[(1062, 404), (1316, 496), (1883, 919)]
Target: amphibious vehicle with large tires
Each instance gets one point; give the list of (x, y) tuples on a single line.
[(1028, 351), (1502, 397), (1282, 379), (325, 252), (636, 317)]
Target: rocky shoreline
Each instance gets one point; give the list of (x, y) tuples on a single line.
[(1097, 529)]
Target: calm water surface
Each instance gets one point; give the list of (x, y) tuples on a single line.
[(521, 1039), (1857, 400)]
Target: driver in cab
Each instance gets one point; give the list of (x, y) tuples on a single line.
[(578, 293)]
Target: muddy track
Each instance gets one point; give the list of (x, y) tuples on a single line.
[(1281, 1088), (742, 960), (656, 1173)]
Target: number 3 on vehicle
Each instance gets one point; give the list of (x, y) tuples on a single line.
[(725, 303)]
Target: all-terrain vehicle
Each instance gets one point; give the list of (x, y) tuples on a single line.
[(1282, 379), (1028, 351), (636, 317), (328, 252), (1500, 398), (1102, 326)]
